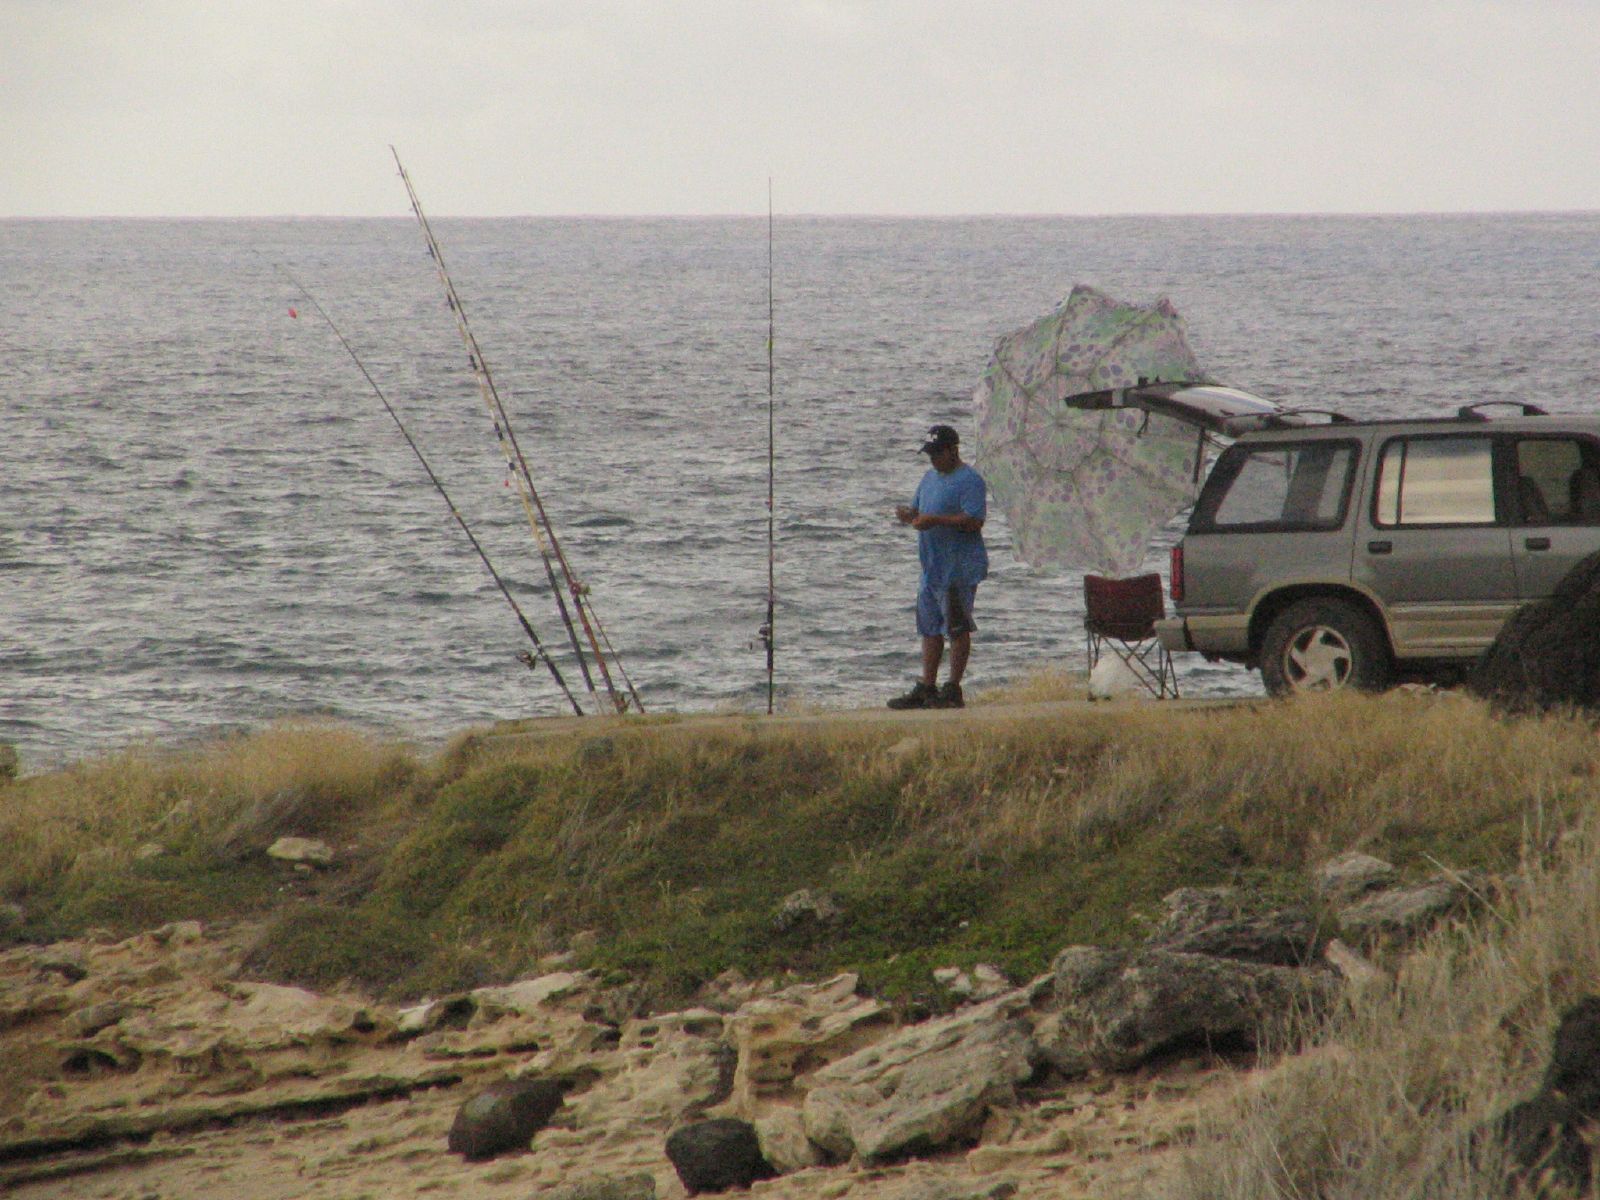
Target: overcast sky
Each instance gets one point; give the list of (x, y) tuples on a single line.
[(500, 107)]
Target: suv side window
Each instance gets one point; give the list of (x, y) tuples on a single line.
[(1445, 480), (1278, 486), (1558, 481)]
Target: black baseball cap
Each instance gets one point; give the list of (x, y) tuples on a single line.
[(940, 437)]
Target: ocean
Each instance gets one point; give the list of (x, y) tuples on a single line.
[(208, 522)]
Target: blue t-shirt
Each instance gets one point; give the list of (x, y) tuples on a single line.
[(952, 555)]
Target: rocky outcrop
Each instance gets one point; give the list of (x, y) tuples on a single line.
[(1371, 903), (1119, 1008), (1206, 921), (794, 1032), (639, 1186), (924, 1086), (312, 851), (109, 1044), (807, 910), (1405, 912), (1346, 877)]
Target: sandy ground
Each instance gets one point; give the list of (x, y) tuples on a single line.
[(1098, 1138)]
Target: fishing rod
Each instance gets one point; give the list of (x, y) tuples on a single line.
[(543, 531), (539, 652), (769, 630)]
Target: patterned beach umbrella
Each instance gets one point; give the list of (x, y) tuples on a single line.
[(1087, 489)]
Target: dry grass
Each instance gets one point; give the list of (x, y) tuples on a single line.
[(1299, 781), (1036, 687), (1386, 1104), (95, 815), (1039, 823)]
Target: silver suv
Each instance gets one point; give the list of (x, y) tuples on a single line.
[(1358, 553)]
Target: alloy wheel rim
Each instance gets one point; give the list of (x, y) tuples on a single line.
[(1318, 659)]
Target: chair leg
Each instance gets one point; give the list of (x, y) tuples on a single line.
[(1150, 664)]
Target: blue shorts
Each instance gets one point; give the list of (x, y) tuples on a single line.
[(946, 612)]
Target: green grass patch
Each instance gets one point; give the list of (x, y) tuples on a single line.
[(994, 839)]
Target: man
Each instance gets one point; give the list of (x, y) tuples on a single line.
[(948, 513)]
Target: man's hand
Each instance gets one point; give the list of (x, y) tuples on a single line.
[(950, 521), (905, 514)]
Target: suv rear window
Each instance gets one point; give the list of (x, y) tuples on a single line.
[(1279, 486)]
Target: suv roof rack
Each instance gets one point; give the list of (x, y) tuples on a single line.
[(1469, 412), (1334, 417)]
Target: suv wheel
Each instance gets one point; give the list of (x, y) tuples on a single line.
[(1320, 645)]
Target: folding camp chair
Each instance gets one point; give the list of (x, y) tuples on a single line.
[(1120, 616)]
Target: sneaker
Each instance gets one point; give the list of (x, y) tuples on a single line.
[(921, 695), (948, 696)]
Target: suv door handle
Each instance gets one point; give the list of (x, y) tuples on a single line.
[(1380, 547), (1537, 543)]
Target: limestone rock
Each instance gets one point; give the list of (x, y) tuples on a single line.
[(1204, 921), (983, 983), (1191, 909), (799, 1028), (716, 1155), (666, 1070), (544, 1014), (639, 1186), (1341, 880), (1405, 912), (178, 933), (924, 1087), (86, 1022), (68, 962), (731, 991), (1360, 973), (301, 850), (946, 1189), (806, 909), (246, 1018), (1117, 1008), (784, 1144), (503, 1117), (527, 996)]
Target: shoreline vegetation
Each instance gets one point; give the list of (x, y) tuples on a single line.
[(659, 852)]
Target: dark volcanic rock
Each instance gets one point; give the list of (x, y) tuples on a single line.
[(504, 1117), (1548, 653), (1544, 1136), (713, 1156)]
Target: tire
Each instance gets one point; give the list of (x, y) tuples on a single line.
[(1323, 644)]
